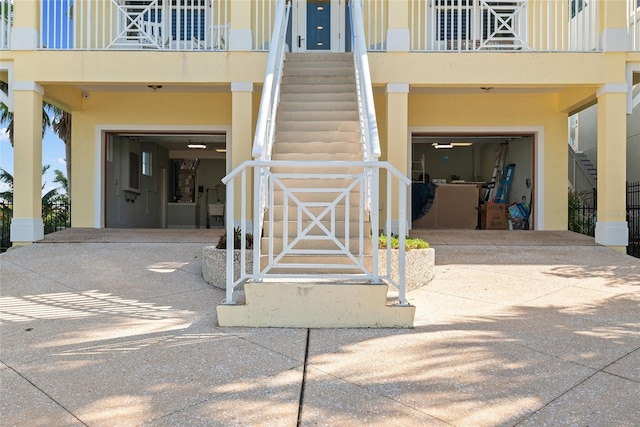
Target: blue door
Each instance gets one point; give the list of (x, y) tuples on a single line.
[(319, 25)]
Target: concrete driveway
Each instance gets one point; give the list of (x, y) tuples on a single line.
[(516, 329)]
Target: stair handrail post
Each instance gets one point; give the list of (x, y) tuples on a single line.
[(229, 207), (375, 225), (366, 105)]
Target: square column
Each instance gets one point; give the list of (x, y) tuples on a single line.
[(614, 35), (397, 140), (26, 225), (242, 122), (398, 39), (240, 34), (611, 227)]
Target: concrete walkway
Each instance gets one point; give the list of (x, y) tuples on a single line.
[(541, 332)]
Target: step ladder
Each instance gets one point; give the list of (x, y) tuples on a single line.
[(501, 159), (502, 195)]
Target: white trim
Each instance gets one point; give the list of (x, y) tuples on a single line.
[(241, 86), (398, 40), (614, 233), (612, 88), (27, 86), (23, 38), (631, 101), (7, 99), (27, 229), (614, 40), (100, 170), (397, 87), (240, 40), (538, 173)]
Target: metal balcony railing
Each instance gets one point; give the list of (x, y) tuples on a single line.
[(434, 25), (183, 25), (504, 25)]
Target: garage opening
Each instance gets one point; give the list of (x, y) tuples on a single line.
[(160, 180), (472, 181)]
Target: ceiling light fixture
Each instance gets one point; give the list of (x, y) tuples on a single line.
[(155, 88), (221, 150), (486, 89), (197, 146)]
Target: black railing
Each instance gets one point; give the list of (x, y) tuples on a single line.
[(56, 216), (583, 214), (633, 218)]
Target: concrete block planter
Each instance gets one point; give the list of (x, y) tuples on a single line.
[(214, 265), (419, 269)]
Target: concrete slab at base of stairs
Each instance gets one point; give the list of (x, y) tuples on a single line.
[(313, 305)]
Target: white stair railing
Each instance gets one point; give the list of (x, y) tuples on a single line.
[(305, 222), (6, 22), (633, 24)]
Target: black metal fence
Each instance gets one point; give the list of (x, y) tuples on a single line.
[(633, 218), (56, 216), (583, 214)]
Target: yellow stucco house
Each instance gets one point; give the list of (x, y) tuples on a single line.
[(440, 86)]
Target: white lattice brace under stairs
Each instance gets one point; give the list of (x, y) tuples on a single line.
[(316, 219)]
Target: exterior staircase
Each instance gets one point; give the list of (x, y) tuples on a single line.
[(587, 166), (317, 227)]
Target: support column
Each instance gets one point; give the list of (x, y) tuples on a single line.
[(242, 139), (614, 35), (398, 39), (240, 34), (397, 141), (611, 227), (26, 225)]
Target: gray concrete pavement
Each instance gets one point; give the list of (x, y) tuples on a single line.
[(123, 331)]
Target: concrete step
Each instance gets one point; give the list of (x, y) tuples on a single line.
[(317, 116), (318, 88), (318, 156), (321, 264), (350, 170), (340, 212), (315, 230), (314, 126), (315, 305), (319, 96), (309, 105), (317, 136), (318, 80), (281, 147), (353, 242), (319, 56), (329, 68)]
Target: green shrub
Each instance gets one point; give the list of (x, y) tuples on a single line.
[(410, 243)]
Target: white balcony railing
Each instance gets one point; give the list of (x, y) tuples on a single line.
[(506, 25), (6, 18), (150, 24)]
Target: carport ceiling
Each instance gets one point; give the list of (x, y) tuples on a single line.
[(180, 141)]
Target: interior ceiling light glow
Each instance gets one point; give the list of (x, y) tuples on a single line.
[(197, 146)]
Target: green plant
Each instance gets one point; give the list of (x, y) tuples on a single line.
[(237, 240), (410, 243)]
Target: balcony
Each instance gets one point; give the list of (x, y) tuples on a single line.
[(434, 25)]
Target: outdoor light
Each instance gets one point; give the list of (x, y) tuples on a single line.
[(155, 88)]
